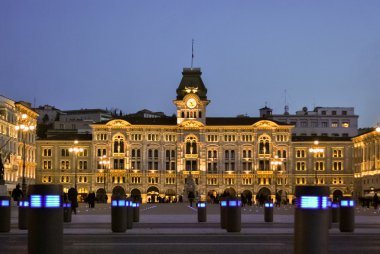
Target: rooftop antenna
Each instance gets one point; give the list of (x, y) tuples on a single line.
[(192, 53), (286, 105)]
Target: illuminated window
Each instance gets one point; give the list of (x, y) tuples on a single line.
[(65, 152), (212, 181), (212, 138), (300, 153), (338, 165), (319, 166), (301, 166), (65, 164), (47, 152), (334, 124), (47, 164), (47, 179), (345, 124)]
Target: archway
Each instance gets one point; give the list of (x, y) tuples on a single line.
[(118, 192), (212, 196), (246, 197), (229, 192), (337, 195), (170, 196), (152, 194), (101, 195), (263, 195), (136, 195)]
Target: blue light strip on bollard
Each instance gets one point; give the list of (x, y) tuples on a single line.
[(128, 203), (114, 203), (201, 204), (223, 203), (313, 202), (23, 204), (268, 204), (52, 201), (4, 203), (121, 202), (48, 201), (36, 201), (347, 203), (334, 205), (66, 205), (134, 204)]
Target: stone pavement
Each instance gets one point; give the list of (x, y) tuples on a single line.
[(182, 219)]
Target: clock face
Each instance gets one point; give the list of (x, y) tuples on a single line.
[(191, 103)]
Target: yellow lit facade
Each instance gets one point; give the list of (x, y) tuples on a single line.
[(153, 157)]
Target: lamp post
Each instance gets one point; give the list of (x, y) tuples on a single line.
[(276, 162), (104, 163), (24, 127), (75, 150), (315, 151)]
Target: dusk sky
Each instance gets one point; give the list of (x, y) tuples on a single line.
[(130, 54)]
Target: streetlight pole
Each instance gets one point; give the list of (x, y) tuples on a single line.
[(24, 128), (104, 164), (314, 151), (75, 150), (275, 164)]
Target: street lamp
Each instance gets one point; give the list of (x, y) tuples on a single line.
[(75, 150), (104, 163), (276, 163), (24, 127), (315, 151)]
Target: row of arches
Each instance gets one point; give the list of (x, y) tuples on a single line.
[(153, 194)]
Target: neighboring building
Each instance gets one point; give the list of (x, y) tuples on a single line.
[(332, 166), (13, 114), (154, 156), (322, 121), (366, 162), (145, 113), (79, 120), (47, 114)]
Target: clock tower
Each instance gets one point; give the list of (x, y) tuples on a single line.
[(191, 99)]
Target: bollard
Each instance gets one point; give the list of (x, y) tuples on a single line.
[(202, 212), (335, 212), (45, 225), (233, 216), (66, 212), (136, 211), (268, 212), (330, 213), (347, 215), (5, 211), (118, 215), (223, 213), (129, 214), (311, 220), (23, 206)]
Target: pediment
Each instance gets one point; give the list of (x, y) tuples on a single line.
[(118, 123), (191, 124), (265, 124)]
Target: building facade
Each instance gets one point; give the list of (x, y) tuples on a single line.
[(17, 146), (151, 157), (321, 121), (366, 162)]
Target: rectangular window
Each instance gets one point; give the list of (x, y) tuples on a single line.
[(324, 124), (153, 137), (135, 180), (338, 165), (346, 124), (212, 138), (300, 153), (47, 164), (246, 138), (334, 124), (212, 181), (319, 166), (247, 181), (65, 152), (82, 165), (337, 153), (47, 179), (65, 164), (47, 152), (301, 166)]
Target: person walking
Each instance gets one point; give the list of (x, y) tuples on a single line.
[(17, 194), (73, 197), (375, 201)]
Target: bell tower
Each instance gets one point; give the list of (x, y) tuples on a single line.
[(191, 99)]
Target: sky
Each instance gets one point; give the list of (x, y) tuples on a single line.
[(129, 55)]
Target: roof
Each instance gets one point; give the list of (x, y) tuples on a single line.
[(191, 78), (69, 136), (85, 111), (210, 121), (319, 138)]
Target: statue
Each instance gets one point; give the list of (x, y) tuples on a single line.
[(189, 190)]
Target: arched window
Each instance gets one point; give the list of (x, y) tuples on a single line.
[(191, 145), (118, 144), (264, 145)]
